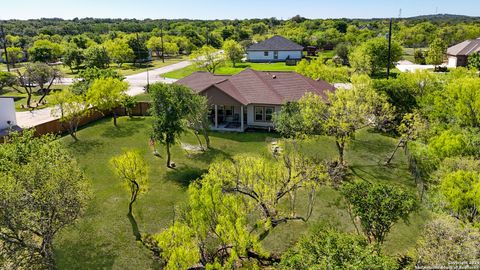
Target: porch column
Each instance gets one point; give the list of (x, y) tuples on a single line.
[(216, 116), (241, 117)]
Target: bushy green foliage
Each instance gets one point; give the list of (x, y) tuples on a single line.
[(96, 56), (107, 94), (474, 61), (15, 54), (436, 52), (234, 52), (317, 69), (42, 190), (461, 189), (372, 56), (119, 51), (170, 109), (45, 51), (73, 57), (7, 79), (235, 206), (420, 58), (458, 103), (378, 206), (327, 248), (87, 76), (289, 121), (346, 112)]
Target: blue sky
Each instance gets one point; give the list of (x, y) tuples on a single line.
[(230, 9)]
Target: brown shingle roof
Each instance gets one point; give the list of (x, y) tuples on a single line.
[(259, 87), (465, 48), (276, 43)]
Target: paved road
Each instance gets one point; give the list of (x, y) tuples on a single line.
[(137, 83)]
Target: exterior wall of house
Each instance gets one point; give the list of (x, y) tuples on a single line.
[(452, 61), (251, 116), (457, 60), (259, 56), (220, 97), (7, 113)]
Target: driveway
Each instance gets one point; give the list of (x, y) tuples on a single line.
[(137, 83)]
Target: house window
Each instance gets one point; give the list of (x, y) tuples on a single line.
[(229, 111), (265, 53), (264, 114), (259, 114), (269, 113)]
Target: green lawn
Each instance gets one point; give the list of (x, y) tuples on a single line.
[(409, 53), (103, 239), (129, 69), (228, 69), (21, 98)]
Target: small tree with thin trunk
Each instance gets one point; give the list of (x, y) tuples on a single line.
[(436, 52), (378, 207), (131, 168), (207, 58), (345, 112), (107, 94), (70, 108), (233, 51), (197, 119), (170, 108)]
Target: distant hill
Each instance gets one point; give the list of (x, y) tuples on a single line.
[(443, 17)]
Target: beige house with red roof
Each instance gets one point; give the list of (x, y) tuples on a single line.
[(250, 98)]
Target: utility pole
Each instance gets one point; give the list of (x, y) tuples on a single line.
[(163, 48), (4, 41), (389, 49)]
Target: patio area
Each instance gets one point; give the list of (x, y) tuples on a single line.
[(228, 118)]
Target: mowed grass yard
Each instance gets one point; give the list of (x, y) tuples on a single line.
[(103, 238), (21, 97), (228, 69)]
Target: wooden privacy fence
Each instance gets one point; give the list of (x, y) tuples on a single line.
[(56, 127)]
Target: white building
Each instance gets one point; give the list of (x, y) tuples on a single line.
[(274, 49), (7, 113)]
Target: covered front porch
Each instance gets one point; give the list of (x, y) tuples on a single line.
[(228, 117)]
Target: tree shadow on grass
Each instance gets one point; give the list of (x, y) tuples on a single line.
[(84, 146), (124, 129), (85, 251), (185, 175)]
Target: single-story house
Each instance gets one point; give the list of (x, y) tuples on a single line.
[(8, 119), (458, 54), (250, 98), (274, 49)]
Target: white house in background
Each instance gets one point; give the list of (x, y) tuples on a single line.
[(8, 118), (274, 49)]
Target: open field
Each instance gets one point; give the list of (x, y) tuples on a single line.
[(103, 239)]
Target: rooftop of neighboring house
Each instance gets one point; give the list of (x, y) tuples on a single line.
[(465, 48), (259, 87), (276, 43)]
